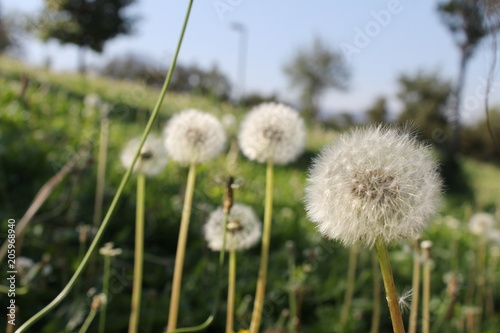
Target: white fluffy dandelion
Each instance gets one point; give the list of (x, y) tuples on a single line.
[(272, 131), (243, 228), (481, 223), (193, 136), (373, 183), (152, 159)]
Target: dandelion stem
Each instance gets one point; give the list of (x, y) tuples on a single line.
[(105, 291), (292, 291), (118, 193), (351, 278), (481, 277), (415, 287), (218, 275), (376, 295), (88, 321), (135, 306), (390, 288), (101, 170), (230, 292), (266, 239), (426, 290), (181, 250)]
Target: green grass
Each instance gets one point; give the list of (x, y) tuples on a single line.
[(39, 133)]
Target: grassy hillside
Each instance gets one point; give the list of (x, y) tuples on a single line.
[(41, 131)]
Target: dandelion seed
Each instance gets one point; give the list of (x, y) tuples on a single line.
[(193, 136), (481, 223), (272, 131), (152, 159), (405, 300), (373, 183), (243, 229)]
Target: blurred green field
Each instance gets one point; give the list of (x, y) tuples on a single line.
[(42, 130)]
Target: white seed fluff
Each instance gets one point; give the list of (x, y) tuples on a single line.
[(371, 183), (481, 223), (272, 131), (193, 136), (242, 232), (152, 159)]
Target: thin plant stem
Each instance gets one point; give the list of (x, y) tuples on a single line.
[(351, 279), (292, 291), (230, 292), (415, 287), (88, 321), (266, 240), (101, 170), (228, 202), (390, 288), (426, 292), (377, 291), (118, 193), (481, 278), (181, 250), (105, 291), (135, 307)]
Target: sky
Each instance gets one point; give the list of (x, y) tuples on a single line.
[(381, 39)]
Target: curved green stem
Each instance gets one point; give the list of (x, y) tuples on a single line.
[(105, 291), (266, 240), (390, 288), (181, 250), (135, 307), (118, 193)]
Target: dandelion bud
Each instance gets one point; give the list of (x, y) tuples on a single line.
[(152, 158), (373, 183), (193, 136), (274, 132), (243, 229)]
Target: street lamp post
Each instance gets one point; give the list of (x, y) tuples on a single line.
[(243, 46)]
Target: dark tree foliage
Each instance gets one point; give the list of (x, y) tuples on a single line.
[(85, 23), (425, 97), (188, 79), (5, 39), (315, 69), (468, 24), (378, 112)]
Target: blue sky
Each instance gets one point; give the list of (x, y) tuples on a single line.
[(389, 37)]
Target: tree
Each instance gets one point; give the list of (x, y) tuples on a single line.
[(468, 25), (378, 112), (425, 97), (5, 39), (88, 24), (315, 69)]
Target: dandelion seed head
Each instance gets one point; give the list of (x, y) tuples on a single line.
[(481, 223), (371, 183), (272, 131), (193, 136), (243, 229), (152, 158)]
